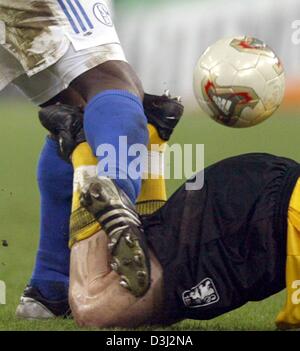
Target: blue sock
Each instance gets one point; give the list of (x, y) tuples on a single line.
[(55, 178), (109, 115)]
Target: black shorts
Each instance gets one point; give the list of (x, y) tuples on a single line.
[(225, 244)]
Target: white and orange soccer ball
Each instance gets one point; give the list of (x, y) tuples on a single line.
[(239, 82)]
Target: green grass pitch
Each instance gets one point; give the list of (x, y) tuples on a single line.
[(21, 139)]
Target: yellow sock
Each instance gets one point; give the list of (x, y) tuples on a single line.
[(153, 194), (289, 317), (82, 223)]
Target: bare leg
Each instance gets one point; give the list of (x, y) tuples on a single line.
[(96, 297), (68, 97), (109, 75)]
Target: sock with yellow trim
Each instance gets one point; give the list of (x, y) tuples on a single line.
[(82, 223), (153, 193)]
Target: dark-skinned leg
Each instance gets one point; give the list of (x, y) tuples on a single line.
[(68, 96), (109, 75)]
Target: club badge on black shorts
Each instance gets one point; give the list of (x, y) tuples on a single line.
[(203, 294)]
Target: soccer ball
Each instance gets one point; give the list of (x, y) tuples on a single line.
[(239, 82)]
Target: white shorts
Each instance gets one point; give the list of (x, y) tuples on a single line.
[(42, 50), (46, 84)]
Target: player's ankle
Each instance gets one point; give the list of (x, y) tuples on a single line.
[(51, 289)]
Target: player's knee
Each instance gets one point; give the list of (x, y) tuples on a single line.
[(107, 76), (82, 315), (90, 309), (85, 314), (81, 311), (68, 96)]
